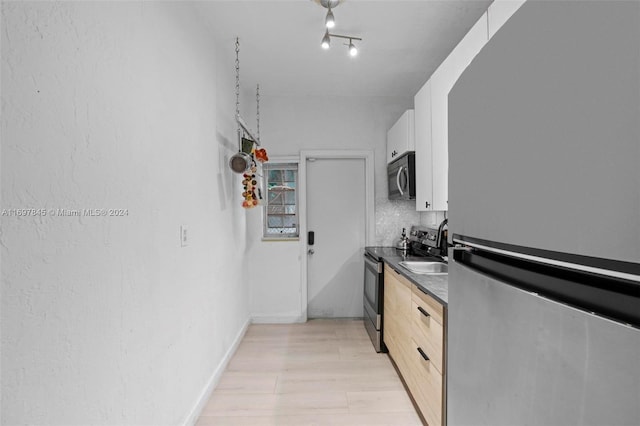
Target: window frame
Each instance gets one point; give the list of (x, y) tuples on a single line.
[(280, 164)]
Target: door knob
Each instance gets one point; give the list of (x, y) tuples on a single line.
[(310, 251)]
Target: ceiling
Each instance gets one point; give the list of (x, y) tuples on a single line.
[(403, 43)]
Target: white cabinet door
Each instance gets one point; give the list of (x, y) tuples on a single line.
[(500, 11), (400, 137), (422, 119), (442, 81)]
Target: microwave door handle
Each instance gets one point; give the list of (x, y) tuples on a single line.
[(398, 180)]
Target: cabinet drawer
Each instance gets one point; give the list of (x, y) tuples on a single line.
[(428, 335), (426, 387), (396, 276), (435, 309)]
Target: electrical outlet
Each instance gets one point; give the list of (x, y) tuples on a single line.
[(183, 236)]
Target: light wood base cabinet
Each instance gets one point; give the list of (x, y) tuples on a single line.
[(397, 295), (415, 329)]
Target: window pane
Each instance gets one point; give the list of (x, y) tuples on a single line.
[(275, 176), (275, 197), (276, 210), (290, 221), (276, 231), (290, 175), (290, 197), (275, 221)]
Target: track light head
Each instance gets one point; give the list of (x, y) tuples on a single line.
[(326, 40), (330, 21), (353, 50)]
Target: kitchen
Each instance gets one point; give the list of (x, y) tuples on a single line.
[(116, 321)]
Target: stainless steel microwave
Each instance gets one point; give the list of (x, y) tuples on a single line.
[(401, 177)]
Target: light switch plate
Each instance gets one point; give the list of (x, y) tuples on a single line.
[(183, 236)]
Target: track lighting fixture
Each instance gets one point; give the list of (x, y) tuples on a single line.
[(330, 22), (326, 41)]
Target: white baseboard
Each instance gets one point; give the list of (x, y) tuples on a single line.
[(269, 319), (192, 418)]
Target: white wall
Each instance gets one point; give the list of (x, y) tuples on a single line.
[(291, 124), (107, 320)]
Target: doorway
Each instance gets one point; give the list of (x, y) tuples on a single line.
[(337, 206)]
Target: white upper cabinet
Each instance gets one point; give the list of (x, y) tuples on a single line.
[(432, 147), (500, 11), (424, 174), (400, 137)]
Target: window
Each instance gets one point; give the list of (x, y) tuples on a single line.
[(281, 208)]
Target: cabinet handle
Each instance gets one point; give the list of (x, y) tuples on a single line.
[(426, 204), (426, 358), (423, 312)]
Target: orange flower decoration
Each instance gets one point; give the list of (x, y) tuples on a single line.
[(261, 155)]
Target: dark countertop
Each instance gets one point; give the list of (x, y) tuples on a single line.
[(436, 286)]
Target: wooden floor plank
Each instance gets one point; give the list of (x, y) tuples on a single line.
[(375, 419), (322, 372)]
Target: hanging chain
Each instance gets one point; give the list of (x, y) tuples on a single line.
[(238, 80), (258, 109)]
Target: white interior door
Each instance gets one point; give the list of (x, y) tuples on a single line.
[(336, 214)]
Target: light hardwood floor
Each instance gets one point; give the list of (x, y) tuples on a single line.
[(323, 372)]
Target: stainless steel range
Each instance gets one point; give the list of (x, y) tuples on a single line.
[(425, 242), (374, 292), (429, 240)]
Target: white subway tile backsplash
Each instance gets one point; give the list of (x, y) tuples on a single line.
[(391, 217)]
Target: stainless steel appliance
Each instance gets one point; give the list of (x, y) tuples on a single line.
[(544, 288), (374, 293), (423, 242), (429, 240), (401, 177)]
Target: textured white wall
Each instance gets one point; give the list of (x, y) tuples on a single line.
[(107, 320), (290, 124)]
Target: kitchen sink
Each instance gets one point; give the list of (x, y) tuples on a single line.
[(426, 268)]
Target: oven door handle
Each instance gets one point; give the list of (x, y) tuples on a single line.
[(376, 266)]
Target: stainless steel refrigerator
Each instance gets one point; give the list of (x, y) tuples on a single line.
[(544, 203)]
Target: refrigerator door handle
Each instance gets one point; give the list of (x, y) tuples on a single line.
[(466, 246), (460, 247)]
